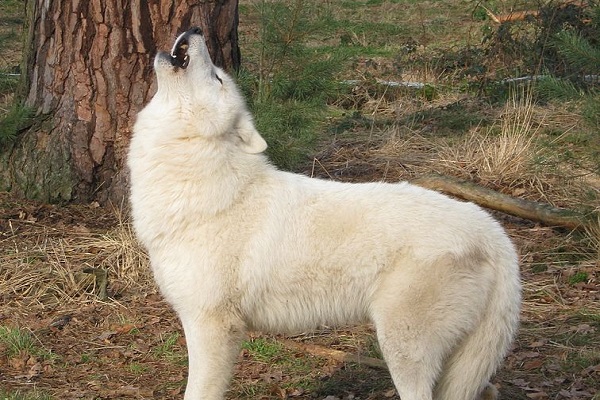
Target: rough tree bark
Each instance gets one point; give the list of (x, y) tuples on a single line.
[(87, 71)]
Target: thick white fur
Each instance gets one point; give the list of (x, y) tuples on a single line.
[(236, 244)]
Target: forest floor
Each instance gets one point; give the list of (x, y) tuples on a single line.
[(58, 338), (63, 336)]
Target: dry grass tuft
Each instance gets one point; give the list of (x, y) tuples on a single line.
[(592, 233), (46, 265), (391, 155), (122, 254), (500, 160)]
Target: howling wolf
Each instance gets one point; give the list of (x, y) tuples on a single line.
[(236, 244)]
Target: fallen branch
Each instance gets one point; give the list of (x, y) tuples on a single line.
[(513, 16), (332, 354), (488, 198), (523, 15)]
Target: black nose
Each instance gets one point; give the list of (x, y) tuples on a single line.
[(195, 31)]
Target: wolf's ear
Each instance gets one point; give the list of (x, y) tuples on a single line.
[(251, 141)]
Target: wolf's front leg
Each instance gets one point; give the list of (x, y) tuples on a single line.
[(213, 343)]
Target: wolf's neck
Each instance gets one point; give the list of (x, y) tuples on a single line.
[(210, 180)]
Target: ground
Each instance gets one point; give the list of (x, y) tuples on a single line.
[(130, 345), (80, 317)]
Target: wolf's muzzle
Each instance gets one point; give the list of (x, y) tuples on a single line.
[(179, 54)]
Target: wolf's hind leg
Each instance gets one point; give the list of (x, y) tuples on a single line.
[(418, 323), (414, 369)]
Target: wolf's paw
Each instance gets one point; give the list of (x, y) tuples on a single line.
[(489, 392)]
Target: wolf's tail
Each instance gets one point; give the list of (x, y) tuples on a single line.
[(469, 368)]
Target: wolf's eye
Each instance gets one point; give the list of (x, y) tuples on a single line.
[(219, 79)]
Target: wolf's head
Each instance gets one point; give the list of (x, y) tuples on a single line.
[(198, 99)]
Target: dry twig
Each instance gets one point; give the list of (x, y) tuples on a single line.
[(333, 354)]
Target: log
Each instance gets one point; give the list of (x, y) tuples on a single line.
[(523, 15), (531, 210), (333, 354), (513, 16)]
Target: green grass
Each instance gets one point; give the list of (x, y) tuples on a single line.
[(21, 341), (137, 368), (293, 63), (263, 349), (274, 353), (304, 49), (591, 111), (368, 33), (454, 119), (291, 370), (17, 118), (18, 341), (290, 130), (18, 395), (578, 277), (86, 358), (289, 83), (169, 349), (11, 21), (587, 316), (582, 333), (372, 348), (582, 359)]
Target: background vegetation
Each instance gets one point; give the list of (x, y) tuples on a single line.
[(348, 90)]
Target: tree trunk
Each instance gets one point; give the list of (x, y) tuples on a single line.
[(87, 72)]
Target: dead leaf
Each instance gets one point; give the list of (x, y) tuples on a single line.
[(48, 369), (19, 362), (80, 228), (583, 328), (296, 392), (529, 354), (129, 391), (34, 371), (153, 320), (272, 377), (574, 394), (518, 192), (533, 364), (124, 329), (522, 383), (537, 395), (537, 344), (592, 369), (106, 335)]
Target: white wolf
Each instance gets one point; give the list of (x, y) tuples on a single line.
[(236, 244)]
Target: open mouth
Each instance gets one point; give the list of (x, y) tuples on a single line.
[(179, 55)]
